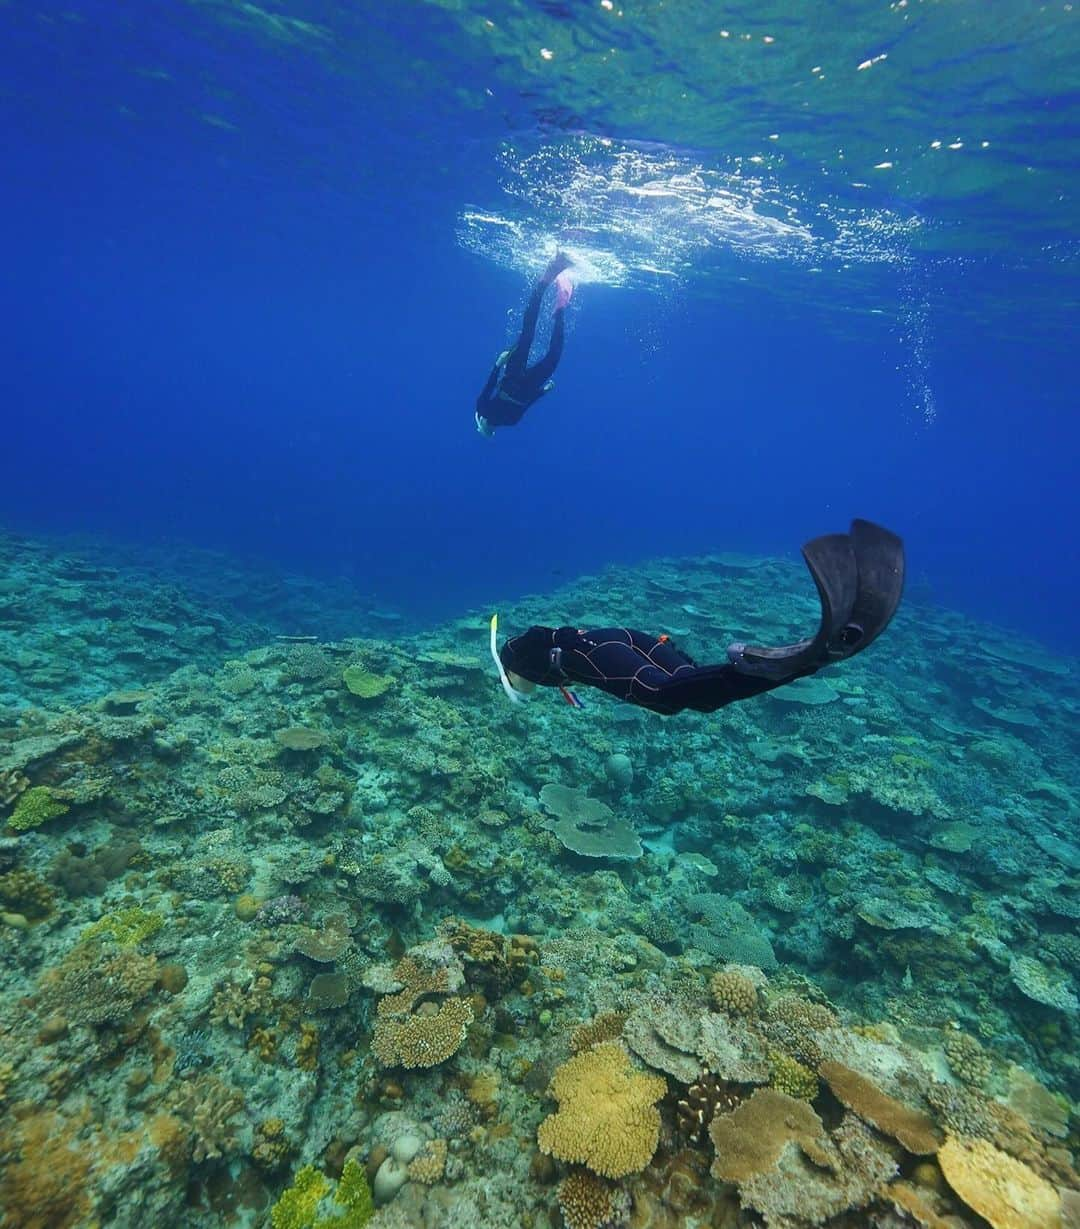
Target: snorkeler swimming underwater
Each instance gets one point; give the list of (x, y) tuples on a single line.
[(859, 577), (513, 386)]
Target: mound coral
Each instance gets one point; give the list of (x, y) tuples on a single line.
[(733, 992), (607, 1118)]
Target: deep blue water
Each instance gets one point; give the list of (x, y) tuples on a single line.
[(237, 312)]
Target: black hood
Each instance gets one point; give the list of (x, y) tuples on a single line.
[(529, 655)]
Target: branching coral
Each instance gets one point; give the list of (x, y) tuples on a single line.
[(208, 1105), (313, 1202), (424, 1038), (94, 984), (607, 1117), (588, 1202)]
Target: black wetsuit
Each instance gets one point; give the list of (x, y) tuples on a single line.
[(513, 386), (632, 666)]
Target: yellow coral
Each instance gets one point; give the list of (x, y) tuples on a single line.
[(607, 1117), (1001, 1189)]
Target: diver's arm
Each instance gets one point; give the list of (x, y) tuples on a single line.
[(489, 387)]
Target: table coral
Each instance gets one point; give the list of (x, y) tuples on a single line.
[(607, 1118), (910, 1127), (1001, 1189), (750, 1139)]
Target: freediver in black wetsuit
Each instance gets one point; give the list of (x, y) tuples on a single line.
[(513, 385), (859, 577)]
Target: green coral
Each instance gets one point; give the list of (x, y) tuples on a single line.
[(126, 926), (296, 1207), (364, 684), (35, 806), (299, 1206), (354, 1195), (790, 1076)]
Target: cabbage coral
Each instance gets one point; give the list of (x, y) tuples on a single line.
[(607, 1117)]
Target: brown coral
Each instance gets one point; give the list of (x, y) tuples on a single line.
[(750, 1140), (911, 1128), (425, 1038), (429, 1163), (607, 1117), (587, 1201), (607, 1026), (999, 1188), (733, 992)]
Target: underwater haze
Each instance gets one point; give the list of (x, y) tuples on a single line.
[(303, 922)]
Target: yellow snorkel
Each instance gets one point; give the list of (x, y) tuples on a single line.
[(508, 687)]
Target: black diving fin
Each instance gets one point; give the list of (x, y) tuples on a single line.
[(859, 578)]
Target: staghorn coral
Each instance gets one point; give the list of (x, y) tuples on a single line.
[(705, 1098), (1001, 1189), (911, 1128), (208, 1106), (607, 1118)]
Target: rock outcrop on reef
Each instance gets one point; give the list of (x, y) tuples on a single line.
[(278, 916)]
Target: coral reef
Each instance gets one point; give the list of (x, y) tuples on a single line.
[(311, 933)]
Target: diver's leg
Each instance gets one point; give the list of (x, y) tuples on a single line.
[(519, 356), (542, 371)]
